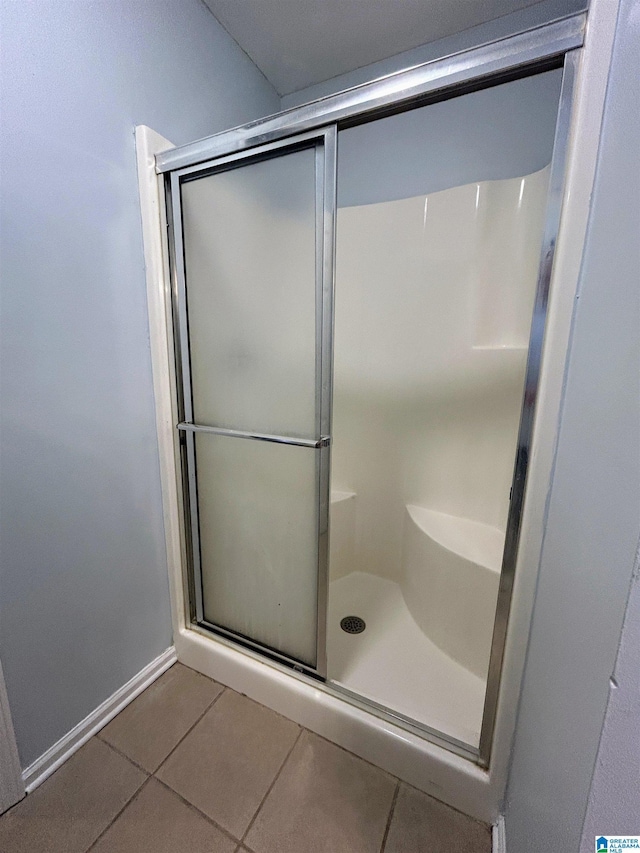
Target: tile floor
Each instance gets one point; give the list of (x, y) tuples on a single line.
[(193, 766)]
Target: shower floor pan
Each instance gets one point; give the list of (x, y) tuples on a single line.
[(394, 664)]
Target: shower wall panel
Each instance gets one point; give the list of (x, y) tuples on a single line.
[(434, 296)]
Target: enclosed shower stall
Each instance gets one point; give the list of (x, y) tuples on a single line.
[(428, 388), (438, 248), (358, 303)]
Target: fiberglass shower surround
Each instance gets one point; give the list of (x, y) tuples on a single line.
[(434, 297)]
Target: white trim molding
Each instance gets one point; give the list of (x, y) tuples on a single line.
[(56, 755), (152, 208), (499, 836), (11, 785)]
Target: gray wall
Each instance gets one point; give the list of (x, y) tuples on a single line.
[(83, 586), (594, 509)]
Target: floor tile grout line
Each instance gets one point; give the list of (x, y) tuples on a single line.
[(131, 799), (354, 755), (199, 812), (189, 730), (390, 818), (99, 734), (124, 755), (270, 788)]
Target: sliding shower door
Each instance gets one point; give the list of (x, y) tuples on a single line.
[(450, 190), (252, 292)]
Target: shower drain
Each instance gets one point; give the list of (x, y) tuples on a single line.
[(353, 624)]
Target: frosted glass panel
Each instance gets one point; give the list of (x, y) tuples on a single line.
[(249, 241), (258, 541)]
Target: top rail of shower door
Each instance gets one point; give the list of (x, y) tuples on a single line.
[(524, 51), (323, 441)]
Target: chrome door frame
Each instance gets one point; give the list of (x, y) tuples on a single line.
[(529, 397), (481, 66), (553, 45), (323, 142)]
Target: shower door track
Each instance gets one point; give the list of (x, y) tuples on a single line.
[(506, 59), (550, 46)]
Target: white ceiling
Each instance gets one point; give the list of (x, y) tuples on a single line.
[(297, 43)]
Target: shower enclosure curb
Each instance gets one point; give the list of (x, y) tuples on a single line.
[(417, 761)]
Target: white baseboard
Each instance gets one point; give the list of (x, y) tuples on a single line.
[(56, 755), (498, 836)]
